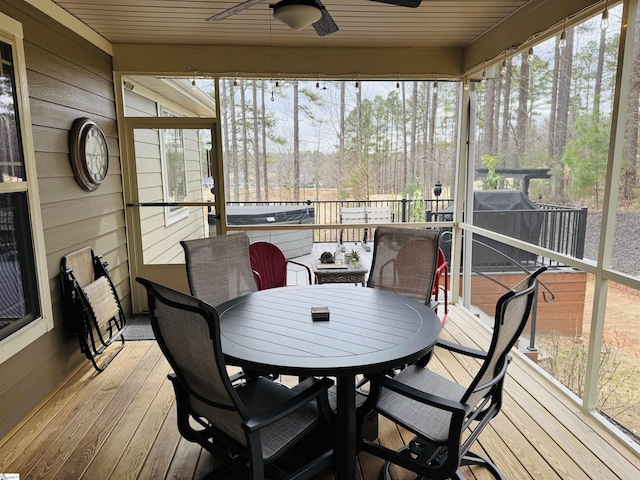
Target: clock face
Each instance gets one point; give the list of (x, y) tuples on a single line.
[(96, 154), (89, 154)]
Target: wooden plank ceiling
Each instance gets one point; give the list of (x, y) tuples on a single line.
[(362, 23)]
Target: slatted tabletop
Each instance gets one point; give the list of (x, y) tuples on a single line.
[(368, 330)]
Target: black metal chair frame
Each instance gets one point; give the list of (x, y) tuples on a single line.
[(93, 337), (245, 460), (441, 460)]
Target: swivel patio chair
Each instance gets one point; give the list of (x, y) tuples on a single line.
[(219, 268), (270, 264), (252, 428), (92, 303), (405, 262), (445, 417)]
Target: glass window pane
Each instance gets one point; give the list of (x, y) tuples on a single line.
[(11, 161), (175, 168), (19, 294)]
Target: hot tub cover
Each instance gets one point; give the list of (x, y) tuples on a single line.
[(260, 215)]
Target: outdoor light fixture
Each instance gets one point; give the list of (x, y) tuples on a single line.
[(437, 190), (563, 36), (605, 18), (530, 56), (297, 14)]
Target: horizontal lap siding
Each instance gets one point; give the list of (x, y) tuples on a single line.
[(67, 78)]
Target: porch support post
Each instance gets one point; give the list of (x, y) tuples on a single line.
[(465, 142), (616, 146)]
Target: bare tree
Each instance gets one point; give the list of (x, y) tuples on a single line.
[(631, 167), (256, 150), (523, 100), (296, 143)]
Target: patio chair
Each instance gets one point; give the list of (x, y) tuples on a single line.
[(268, 261), (251, 429), (92, 303), (364, 214), (442, 274), (446, 417), (219, 268), (405, 262)]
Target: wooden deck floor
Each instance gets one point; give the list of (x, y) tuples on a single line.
[(121, 424)]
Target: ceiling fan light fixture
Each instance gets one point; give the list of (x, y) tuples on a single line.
[(297, 14)]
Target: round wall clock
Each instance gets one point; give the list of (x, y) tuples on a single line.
[(89, 154)]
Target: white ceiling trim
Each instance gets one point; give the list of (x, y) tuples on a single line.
[(65, 18)]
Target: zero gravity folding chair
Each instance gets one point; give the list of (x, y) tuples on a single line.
[(92, 303)]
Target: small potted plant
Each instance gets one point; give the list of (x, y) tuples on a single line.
[(355, 258)]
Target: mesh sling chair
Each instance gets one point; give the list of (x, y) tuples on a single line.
[(442, 272), (270, 264), (405, 261), (91, 301), (249, 428), (445, 417), (219, 268)]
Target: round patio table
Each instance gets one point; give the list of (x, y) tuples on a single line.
[(368, 331)]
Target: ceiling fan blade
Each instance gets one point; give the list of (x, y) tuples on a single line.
[(401, 3), (326, 25), (233, 10)]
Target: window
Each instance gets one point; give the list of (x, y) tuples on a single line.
[(174, 170), (25, 307)]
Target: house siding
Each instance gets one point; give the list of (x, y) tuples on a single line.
[(67, 78)]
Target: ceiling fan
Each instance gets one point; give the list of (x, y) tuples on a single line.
[(298, 14)]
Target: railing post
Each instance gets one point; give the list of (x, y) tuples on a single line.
[(580, 234), (404, 210)]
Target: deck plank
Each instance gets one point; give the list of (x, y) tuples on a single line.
[(122, 423)]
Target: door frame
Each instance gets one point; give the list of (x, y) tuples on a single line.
[(173, 275)]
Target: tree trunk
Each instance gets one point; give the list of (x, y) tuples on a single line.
[(224, 100), (554, 100), (414, 115), (264, 143), (523, 100), (597, 92), (405, 162), (432, 128), (341, 158), (256, 149), (296, 144), (489, 104), (245, 146), (562, 117), (506, 116), (234, 147), (631, 166)]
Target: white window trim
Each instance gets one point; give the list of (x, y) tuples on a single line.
[(11, 33), (170, 217)]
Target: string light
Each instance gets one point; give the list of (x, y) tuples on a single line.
[(530, 56), (483, 79), (503, 68), (318, 85), (466, 84), (604, 24), (398, 85), (563, 36), (193, 85), (235, 84), (277, 87), (357, 86), (435, 86)]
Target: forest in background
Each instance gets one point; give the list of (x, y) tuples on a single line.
[(546, 108)]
